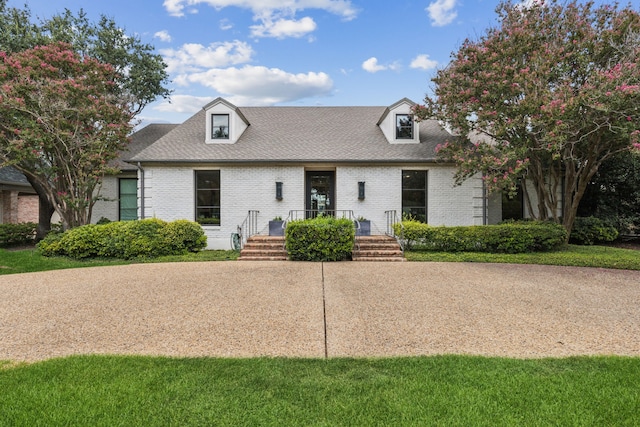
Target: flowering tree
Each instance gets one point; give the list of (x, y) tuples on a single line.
[(547, 97), (141, 73), (61, 122)]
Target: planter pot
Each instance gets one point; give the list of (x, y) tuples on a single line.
[(365, 228), (275, 228)]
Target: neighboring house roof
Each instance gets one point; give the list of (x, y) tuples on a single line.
[(140, 140), (296, 134), (11, 176)]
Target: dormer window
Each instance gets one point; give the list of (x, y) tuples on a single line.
[(404, 126), (219, 126)]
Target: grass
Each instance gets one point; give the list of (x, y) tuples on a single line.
[(572, 255), (442, 390), (30, 260)]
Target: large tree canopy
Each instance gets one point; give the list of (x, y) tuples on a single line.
[(141, 74), (548, 96), (61, 122)]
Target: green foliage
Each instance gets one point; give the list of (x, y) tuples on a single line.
[(512, 237), (548, 95), (184, 236), (126, 240), (17, 234), (592, 230), (320, 239), (614, 193)]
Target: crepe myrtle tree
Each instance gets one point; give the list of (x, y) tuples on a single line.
[(141, 78), (546, 96), (61, 122)]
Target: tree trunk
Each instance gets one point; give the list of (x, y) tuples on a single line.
[(45, 209)]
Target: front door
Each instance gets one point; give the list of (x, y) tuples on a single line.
[(320, 190)]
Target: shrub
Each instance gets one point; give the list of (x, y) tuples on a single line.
[(505, 238), (17, 234), (126, 240), (591, 230), (320, 239), (184, 236)]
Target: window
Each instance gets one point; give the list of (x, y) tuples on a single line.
[(128, 199), (404, 126), (208, 197), (219, 126), (414, 195)]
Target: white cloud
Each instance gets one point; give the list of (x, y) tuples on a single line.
[(442, 12), (423, 62), (194, 57), (257, 85), (284, 28), (183, 104), (225, 24), (276, 17), (163, 36), (371, 65), (338, 7)]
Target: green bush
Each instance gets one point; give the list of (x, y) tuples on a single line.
[(17, 234), (504, 238), (126, 240), (591, 230), (320, 239)]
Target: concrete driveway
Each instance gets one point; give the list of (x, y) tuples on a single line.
[(298, 309)]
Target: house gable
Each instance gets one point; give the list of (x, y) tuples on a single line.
[(225, 123), (398, 125)]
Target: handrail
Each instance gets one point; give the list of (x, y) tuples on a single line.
[(313, 213), (249, 227), (393, 219)]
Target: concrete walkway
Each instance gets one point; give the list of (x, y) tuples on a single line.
[(297, 309)]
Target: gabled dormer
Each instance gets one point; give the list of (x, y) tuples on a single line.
[(398, 125), (225, 122)]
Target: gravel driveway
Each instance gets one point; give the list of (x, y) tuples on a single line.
[(297, 309)]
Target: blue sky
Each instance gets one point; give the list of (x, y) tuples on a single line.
[(291, 52)]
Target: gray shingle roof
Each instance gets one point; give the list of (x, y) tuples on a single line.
[(140, 140), (296, 134), (10, 175)]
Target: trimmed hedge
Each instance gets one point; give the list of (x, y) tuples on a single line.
[(503, 238), (126, 240), (17, 234), (591, 230), (320, 239)]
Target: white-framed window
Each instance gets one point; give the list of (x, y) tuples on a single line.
[(404, 126), (219, 126), (208, 197)]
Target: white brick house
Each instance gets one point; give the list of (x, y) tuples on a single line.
[(226, 161)]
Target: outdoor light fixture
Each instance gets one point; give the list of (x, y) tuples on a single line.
[(361, 190), (278, 190)]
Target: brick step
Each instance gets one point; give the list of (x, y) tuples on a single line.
[(381, 259), (377, 248), (263, 248)]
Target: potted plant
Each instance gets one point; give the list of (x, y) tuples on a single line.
[(276, 227), (365, 226)]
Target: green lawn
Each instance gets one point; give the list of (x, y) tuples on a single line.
[(30, 260), (572, 255), (442, 390)]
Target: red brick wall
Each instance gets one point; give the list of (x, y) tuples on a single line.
[(28, 208)]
